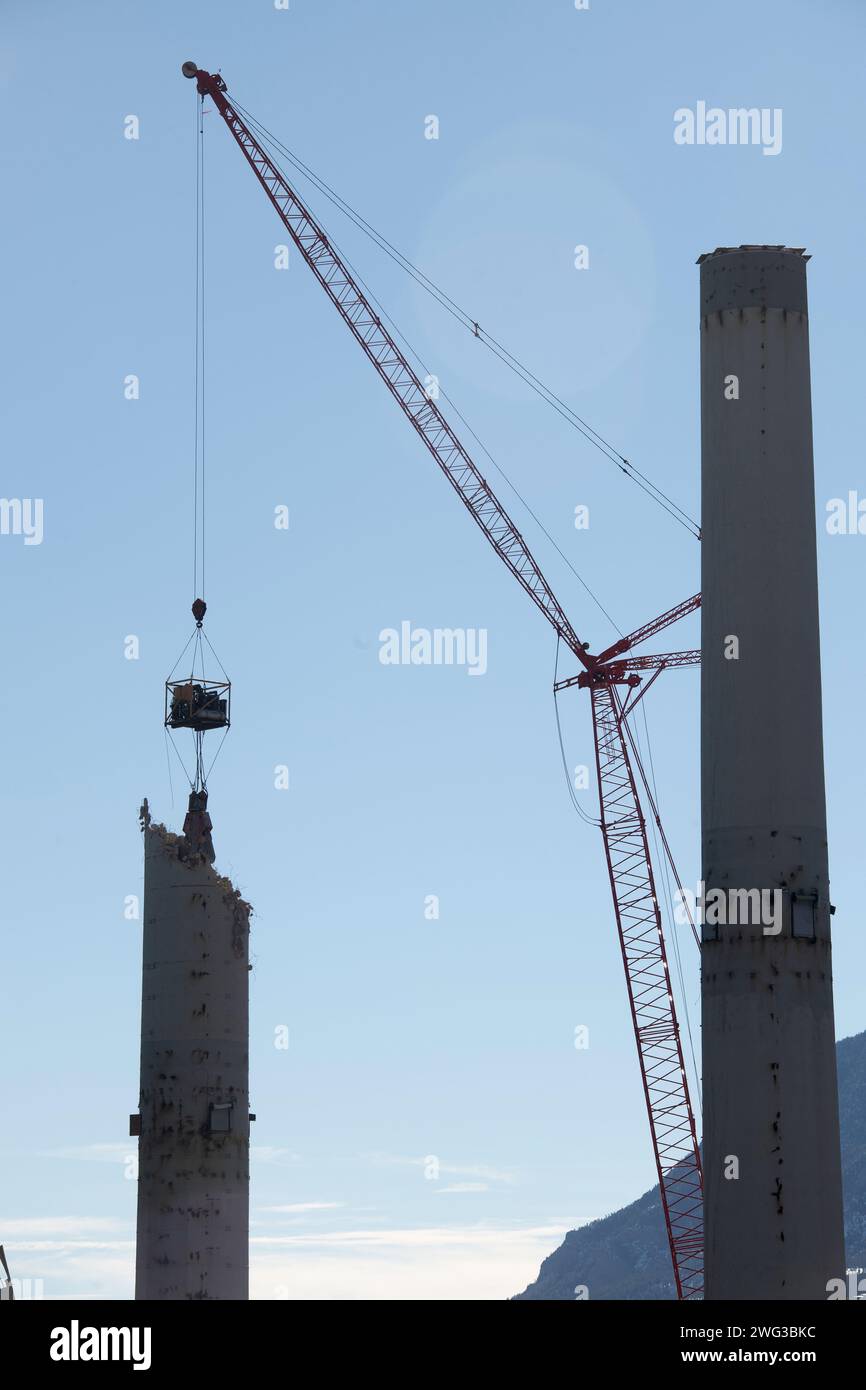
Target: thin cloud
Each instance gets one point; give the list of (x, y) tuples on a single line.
[(465, 1263), (482, 1171), (463, 1187), (92, 1153), (266, 1153), (35, 1227), (422, 1237), (425, 1263), (293, 1208)]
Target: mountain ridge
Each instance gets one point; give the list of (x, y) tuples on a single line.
[(625, 1255)]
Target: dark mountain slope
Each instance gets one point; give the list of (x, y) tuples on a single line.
[(625, 1255)]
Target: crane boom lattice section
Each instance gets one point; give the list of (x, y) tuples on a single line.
[(399, 376), (641, 937)]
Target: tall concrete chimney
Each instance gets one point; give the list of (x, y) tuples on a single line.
[(193, 1122), (773, 1193)]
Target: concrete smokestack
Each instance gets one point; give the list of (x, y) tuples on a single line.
[(193, 1122), (773, 1193)]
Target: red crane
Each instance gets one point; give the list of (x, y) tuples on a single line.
[(623, 825)]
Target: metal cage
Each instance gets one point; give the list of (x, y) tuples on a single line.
[(197, 703)]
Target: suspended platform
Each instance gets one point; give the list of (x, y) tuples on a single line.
[(197, 705), (198, 702)]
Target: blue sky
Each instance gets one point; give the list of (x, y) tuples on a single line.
[(409, 1038)]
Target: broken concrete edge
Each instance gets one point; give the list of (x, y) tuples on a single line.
[(181, 849)]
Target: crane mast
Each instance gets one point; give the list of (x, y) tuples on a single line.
[(636, 907)]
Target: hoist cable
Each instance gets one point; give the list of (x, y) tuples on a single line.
[(198, 122), (498, 349), (202, 594), (590, 820), (669, 900), (198, 528), (419, 360)]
